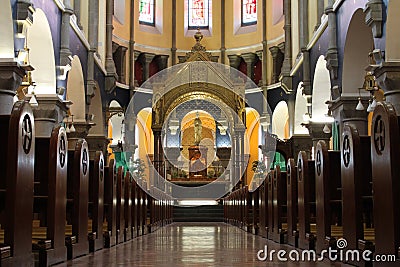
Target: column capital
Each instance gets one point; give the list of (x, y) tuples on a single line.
[(249, 58), (259, 54), (136, 54), (234, 61), (146, 58)]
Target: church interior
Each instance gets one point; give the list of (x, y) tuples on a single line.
[(200, 132)]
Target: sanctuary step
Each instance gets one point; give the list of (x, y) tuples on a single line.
[(207, 213)]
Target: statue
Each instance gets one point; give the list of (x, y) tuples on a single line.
[(197, 130)]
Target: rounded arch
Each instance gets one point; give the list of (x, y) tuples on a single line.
[(76, 90), (41, 54), (280, 120), (392, 52), (211, 92), (359, 42), (116, 124), (321, 91), (7, 31), (300, 109), (96, 114)]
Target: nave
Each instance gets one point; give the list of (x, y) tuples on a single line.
[(190, 244)]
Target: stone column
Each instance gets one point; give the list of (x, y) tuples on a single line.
[(287, 63), (136, 55), (332, 54), (162, 62), (317, 133), (223, 48), (388, 78), (277, 60), (146, 59), (320, 12), (81, 131), (93, 40), (65, 30), (173, 47), (77, 11), (344, 111), (158, 152), (250, 59), (111, 76), (11, 75), (132, 58)]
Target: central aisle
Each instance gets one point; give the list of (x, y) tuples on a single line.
[(189, 244)]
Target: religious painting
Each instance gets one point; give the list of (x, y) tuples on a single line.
[(198, 14), (249, 12), (146, 12)]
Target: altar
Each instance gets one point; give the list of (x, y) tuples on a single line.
[(197, 162)]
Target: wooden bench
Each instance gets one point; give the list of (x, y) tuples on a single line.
[(127, 206), (263, 198), (270, 206), (292, 234), (16, 185), (96, 202), (357, 189), (120, 206), (306, 200), (279, 199), (110, 204), (50, 193), (77, 200), (385, 156), (328, 196)]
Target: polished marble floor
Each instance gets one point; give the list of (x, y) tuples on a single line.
[(191, 244)]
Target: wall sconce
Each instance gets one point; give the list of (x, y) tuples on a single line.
[(326, 129), (70, 128), (369, 85)]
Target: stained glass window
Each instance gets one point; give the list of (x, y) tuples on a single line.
[(146, 12), (198, 14), (249, 12)]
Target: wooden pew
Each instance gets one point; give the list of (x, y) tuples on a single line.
[(385, 147), (134, 209), (263, 198), (120, 205), (127, 207), (270, 206), (255, 195), (328, 196), (279, 205), (247, 209), (292, 234), (306, 200), (110, 204), (16, 185), (96, 200), (50, 196), (357, 190), (77, 200)]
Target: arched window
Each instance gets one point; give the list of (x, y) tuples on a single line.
[(146, 12), (198, 14), (249, 12)]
